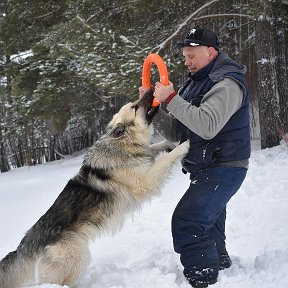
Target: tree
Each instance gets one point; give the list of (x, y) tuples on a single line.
[(20, 27), (271, 51), (281, 46), (66, 66)]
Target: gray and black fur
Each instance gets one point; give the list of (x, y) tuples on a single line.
[(119, 172)]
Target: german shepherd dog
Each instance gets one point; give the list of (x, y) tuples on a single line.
[(119, 172)]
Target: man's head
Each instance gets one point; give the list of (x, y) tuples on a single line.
[(200, 47)]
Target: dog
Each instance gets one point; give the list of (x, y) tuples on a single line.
[(119, 172)]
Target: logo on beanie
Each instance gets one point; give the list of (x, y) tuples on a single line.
[(192, 31)]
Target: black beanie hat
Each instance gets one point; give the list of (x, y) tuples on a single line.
[(197, 37)]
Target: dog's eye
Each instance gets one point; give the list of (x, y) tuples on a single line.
[(118, 131)]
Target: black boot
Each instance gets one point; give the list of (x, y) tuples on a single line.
[(203, 278), (200, 284), (224, 262)]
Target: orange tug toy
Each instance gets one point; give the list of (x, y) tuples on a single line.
[(162, 69)]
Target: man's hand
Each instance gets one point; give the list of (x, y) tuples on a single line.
[(162, 92)]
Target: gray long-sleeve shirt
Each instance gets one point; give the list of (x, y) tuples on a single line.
[(216, 108)]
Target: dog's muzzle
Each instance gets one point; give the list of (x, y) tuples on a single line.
[(146, 102)]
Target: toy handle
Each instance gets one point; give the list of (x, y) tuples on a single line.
[(162, 69)]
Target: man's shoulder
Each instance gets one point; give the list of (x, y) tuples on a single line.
[(225, 66), (228, 81)]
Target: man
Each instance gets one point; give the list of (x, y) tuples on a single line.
[(211, 110)]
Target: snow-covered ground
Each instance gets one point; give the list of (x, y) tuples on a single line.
[(141, 255)]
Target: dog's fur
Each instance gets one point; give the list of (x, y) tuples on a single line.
[(119, 173)]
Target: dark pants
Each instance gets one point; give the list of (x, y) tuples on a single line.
[(198, 222)]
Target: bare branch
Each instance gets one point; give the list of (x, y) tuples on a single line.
[(85, 24), (181, 28), (224, 15), (47, 14), (193, 17), (103, 98)]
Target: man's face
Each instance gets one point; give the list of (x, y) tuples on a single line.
[(197, 57)]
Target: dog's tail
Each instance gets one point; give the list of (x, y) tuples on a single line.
[(16, 270)]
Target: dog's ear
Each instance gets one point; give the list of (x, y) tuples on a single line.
[(119, 131)]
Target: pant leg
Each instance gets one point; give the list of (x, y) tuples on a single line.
[(196, 213), (217, 233)]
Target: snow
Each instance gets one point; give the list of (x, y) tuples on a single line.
[(263, 61), (142, 255)]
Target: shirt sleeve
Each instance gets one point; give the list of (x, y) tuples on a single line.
[(216, 108)]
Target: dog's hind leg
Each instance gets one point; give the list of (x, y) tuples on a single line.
[(16, 270), (64, 262)]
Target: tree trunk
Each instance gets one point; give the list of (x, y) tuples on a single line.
[(281, 42), (267, 79), (4, 165)]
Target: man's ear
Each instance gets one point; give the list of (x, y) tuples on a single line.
[(212, 53)]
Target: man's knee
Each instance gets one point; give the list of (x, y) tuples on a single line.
[(187, 233)]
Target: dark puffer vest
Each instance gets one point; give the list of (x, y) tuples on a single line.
[(232, 143)]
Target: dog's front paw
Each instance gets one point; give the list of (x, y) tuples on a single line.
[(182, 149), (170, 147)]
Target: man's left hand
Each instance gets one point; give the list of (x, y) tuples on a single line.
[(162, 92)]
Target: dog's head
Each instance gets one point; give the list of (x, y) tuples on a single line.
[(133, 121)]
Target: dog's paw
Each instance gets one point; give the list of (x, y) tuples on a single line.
[(185, 147), (170, 147), (182, 149)]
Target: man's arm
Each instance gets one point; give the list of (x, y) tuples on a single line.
[(216, 108)]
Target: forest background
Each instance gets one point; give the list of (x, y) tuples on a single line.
[(67, 66)]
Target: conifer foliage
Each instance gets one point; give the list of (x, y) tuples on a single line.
[(66, 66)]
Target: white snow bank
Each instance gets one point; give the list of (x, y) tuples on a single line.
[(142, 255)]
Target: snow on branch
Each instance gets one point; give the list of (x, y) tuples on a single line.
[(85, 24)]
